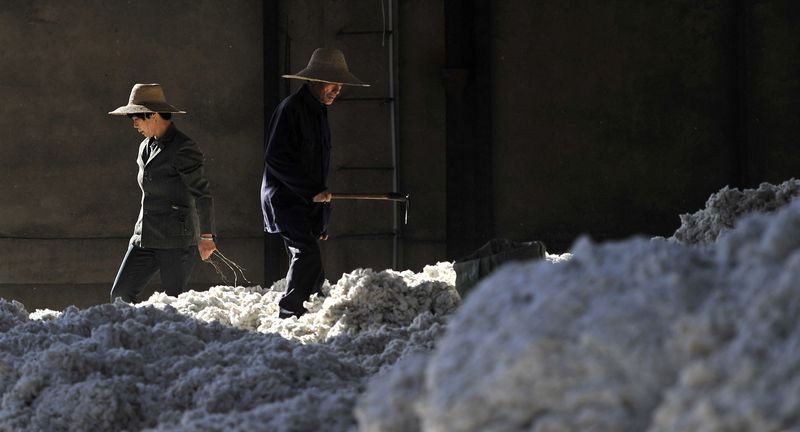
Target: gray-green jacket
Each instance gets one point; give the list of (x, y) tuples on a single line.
[(176, 200)]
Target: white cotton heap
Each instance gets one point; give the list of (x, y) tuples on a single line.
[(635, 335), (742, 348), (727, 206), (215, 360), (363, 300), (394, 402), (11, 314), (557, 258)]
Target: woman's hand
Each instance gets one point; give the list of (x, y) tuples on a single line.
[(206, 246)]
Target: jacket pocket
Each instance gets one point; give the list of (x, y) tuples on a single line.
[(180, 220)]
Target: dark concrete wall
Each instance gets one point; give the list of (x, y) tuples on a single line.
[(615, 115), (69, 197), (773, 85), (422, 130), (618, 116)]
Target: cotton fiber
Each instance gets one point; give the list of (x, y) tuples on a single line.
[(216, 360), (635, 335)]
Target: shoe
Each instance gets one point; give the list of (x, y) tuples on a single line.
[(285, 313)]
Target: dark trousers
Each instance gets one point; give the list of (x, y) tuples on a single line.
[(141, 264), (305, 275)]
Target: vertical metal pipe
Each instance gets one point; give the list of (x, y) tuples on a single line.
[(275, 262), (397, 225)]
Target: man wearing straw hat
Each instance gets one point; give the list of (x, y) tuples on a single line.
[(294, 197), (176, 219)]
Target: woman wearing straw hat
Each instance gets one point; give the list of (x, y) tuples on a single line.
[(294, 197), (176, 219)]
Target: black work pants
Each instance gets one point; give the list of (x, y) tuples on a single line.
[(141, 264), (305, 275)]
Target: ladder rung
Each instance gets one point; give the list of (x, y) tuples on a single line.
[(383, 99), (376, 168), (363, 32)]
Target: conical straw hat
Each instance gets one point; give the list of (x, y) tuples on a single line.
[(147, 98), (328, 65)]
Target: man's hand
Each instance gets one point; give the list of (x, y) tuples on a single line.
[(324, 196), (206, 246)]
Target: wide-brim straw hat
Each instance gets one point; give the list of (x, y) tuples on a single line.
[(147, 98), (328, 65)]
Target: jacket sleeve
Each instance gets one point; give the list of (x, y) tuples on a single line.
[(284, 156), (189, 164)]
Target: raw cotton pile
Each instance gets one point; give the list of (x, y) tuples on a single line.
[(218, 360), (636, 335), (727, 206)]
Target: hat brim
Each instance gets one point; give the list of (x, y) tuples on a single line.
[(337, 77), (155, 107)]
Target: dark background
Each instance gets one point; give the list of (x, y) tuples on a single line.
[(530, 120)]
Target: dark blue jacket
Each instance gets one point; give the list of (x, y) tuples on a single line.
[(296, 163)]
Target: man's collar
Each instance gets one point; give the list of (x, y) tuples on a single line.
[(168, 135), (309, 98)]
